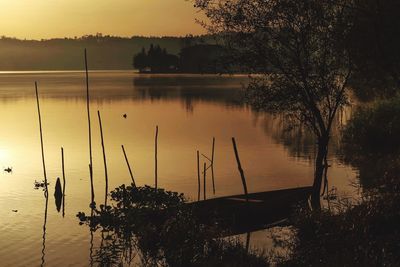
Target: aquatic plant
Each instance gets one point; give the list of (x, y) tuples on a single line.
[(40, 184), (158, 225)]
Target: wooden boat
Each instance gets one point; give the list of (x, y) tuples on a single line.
[(261, 211)]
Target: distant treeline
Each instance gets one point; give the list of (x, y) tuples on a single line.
[(104, 52), (194, 58)]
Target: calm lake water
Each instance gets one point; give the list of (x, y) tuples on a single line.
[(189, 109)]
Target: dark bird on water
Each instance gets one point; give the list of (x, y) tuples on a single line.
[(125, 116), (8, 170)]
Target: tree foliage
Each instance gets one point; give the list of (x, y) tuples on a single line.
[(298, 51), (155, 59), (301, 41), (374, 43)]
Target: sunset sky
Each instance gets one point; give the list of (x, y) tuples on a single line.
[(37, 19)]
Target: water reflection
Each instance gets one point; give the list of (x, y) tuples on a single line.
[(46, 195), (188, 90), (185, 88), (157, 228), (190, 111)]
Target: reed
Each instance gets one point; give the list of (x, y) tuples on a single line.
[(41, 138), (129, 166), (155, 158), (104, 158), (90, 129), (240, 169)]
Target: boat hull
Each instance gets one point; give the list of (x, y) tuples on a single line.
[(263, 210)]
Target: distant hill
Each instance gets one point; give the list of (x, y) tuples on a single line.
[(104, 52)]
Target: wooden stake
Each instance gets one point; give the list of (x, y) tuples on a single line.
[(240, 169), (212, 164), (90, 128), (155, 167), (129, 166), (198, 176), (104, 158), (204, 179), (63, 175), (41, 138)]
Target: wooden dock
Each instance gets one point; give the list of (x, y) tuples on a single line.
[(262, 210)]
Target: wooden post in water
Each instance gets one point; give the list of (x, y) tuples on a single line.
[(104, 158), (63, 175), (212, 164), (129, 166), (240, 169), (204, 180), (198, 176), (90, 129), (41, 138), (155, 158)]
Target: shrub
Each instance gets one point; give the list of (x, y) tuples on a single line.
[(366, 234)]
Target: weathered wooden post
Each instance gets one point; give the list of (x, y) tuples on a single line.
[(63, 175), (212, 164), (90, 129), (198, 176), (204, 179), (41, 138), (129, 166), (104, 158), (155, 158), (240, 169)]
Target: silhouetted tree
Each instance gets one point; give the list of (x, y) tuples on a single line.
[(202, 58), (140, 60), (156, 60), (374, 45), (302, 42)]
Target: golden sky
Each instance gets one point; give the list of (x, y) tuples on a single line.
[(37, 19)]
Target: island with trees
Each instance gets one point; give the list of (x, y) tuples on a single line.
[(198, 58)]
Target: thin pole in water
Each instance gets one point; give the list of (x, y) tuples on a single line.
[(204, 179), (90, 128), (240, 169), (129, 166), (198, 176), (41, 137), (63, 175), (155, 167), (212, 164), (104, 158)]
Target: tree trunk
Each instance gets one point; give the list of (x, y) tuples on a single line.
[(319, 171)]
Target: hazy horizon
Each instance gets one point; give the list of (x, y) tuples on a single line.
[(103, 35), (47, 19)]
